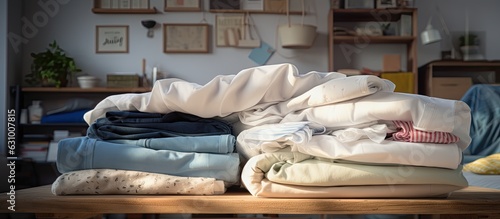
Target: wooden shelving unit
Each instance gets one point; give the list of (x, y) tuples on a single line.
[(374, 39), (360, 15), (250, 11), (342, 16), (26, 132), (124, 11), (53, 97), (98, 9)]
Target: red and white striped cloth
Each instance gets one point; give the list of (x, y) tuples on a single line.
[(406, 132)]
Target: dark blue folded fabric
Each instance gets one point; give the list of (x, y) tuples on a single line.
[(66, 117), (140, 125)]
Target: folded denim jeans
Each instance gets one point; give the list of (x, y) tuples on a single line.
[(218, 144), (86, 153), (140, 125)]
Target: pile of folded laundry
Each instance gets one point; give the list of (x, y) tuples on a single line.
[(294, 135)]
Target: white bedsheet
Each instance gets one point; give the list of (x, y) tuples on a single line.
[(299, 137), (223, 95), (427, 113)]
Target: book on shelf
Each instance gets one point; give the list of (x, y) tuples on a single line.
[(52, 151), (105, 4), (124, 4), (35, 150), (252, 5), (404, 81), (404, 25)]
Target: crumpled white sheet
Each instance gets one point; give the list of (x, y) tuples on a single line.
[(227, 94), (223, 95)]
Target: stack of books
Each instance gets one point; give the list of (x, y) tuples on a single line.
[(35, 150)]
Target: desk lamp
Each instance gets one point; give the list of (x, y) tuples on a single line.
[(431, 35)]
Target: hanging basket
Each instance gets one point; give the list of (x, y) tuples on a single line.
[(296, 36)]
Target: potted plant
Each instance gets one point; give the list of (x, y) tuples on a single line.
[(469, 45), (469, 40), (51, 68)]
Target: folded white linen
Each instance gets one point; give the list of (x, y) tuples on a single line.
[(254, 141), (127, 182), (426, 113), (377, 133), (296, 173), (276, 190), (334, 91), (223, 95)]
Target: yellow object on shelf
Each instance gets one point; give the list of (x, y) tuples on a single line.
[(405, 81)]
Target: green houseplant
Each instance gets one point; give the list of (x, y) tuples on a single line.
[(51, 67), (469, 40)]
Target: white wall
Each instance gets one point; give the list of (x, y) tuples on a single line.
[(73, 27), (74, 24)]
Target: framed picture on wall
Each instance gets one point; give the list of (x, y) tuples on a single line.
[(182, 5), (185, 38), (228, 29), (111, 39), (386, 4)]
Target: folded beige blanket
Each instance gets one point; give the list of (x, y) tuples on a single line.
[(292, 174)]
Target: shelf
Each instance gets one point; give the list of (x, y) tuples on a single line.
[(379, 15), (56, 124), (461, 63), (123, 11), (88, 90), (350, 18), (250, 11), (373, 39)]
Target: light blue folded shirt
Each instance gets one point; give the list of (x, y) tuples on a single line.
[(85, 153)]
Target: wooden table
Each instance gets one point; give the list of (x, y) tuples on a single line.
[(471, 202)]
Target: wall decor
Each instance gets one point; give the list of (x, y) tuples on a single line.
[(185, 38), (182, 5), (386, 4), (352, 4), (111, 39), (275, 6), (335, 4), (225, 4), (229, 29)]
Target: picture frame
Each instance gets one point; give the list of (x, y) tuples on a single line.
[(386, 4), (228, 29), (224, 5), (359, 4), (112, 39), (182, 5), (335, 4), (186, 38)]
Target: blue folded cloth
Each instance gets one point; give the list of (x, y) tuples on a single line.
[(66, 117), (73, 104), (484, 102)]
